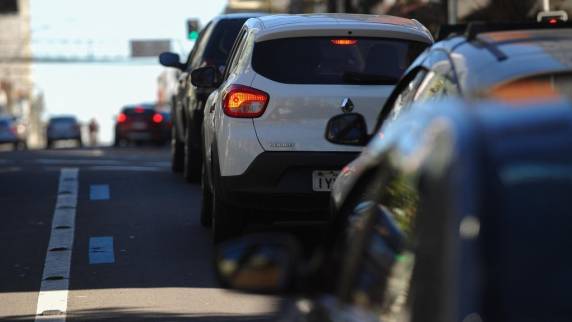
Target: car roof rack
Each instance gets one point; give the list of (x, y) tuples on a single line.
[(476, 28)]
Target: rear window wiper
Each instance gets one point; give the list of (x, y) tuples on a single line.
[(368, 79)]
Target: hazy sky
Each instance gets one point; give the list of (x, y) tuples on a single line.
[(100, 90)]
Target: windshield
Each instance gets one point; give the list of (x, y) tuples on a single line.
[(330, 60)]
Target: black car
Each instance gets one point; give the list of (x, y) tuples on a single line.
[(480, 62), (141, 123), (466, 219), (211, 49)]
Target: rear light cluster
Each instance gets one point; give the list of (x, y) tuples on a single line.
[(157, 118), (121, 118), (244, 102)]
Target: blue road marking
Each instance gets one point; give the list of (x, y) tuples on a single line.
[(101, 250), (99, 192)]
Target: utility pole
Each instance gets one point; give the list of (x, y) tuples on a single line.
[(452, 8), (546, 5)]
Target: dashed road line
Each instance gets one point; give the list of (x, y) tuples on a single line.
[(99, 192), (101, 250), (53, 296)]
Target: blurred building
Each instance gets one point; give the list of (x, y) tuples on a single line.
[(166, 88), (17, 93)]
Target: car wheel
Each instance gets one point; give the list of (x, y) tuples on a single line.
[(226, 220), (79, 143), (206, 201), (177, 152), (49, 144), (191, 165)]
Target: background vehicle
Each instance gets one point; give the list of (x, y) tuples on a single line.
[(13, 131), (465, 190), (141, 123), (63, 128), (485, 62), (211, 49), (263, 142)]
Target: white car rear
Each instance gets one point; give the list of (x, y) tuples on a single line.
[(264, 141)]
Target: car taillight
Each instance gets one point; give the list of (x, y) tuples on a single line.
[(244, 101), (121, 118), (344, 42), (157, 118)]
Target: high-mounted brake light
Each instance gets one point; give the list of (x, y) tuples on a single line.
[(139, 109), (121, 118), (244, 101), (157, 118), (344, 42)]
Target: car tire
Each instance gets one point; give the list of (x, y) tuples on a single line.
[(191, 164), (49, 144), (206, 201), (227, 221), (177, 152)]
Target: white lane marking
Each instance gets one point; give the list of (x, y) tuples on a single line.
[(125, 168), (99, 192), (79, 162), (53, 297)]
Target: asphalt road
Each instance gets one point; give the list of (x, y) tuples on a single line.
[(138, 252)]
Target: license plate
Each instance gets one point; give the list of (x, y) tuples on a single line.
[(139, 125), (323, 180)]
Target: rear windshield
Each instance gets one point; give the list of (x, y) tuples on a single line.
[(326, 60), (221, 40), (138, 110), (63, 120), (547, 86)]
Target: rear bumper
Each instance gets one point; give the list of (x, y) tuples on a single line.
[(154, 134), (282, 182)]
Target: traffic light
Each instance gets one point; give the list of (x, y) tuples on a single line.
[(192, 29)]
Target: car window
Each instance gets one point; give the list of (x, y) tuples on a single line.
[(197, 53), (383, 279), (234, 53), (220, 43), (406, 94), (327, 60), (436, 86)]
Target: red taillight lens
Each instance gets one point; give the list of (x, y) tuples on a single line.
[(121, 118), (157, 118), (553, 21), (244, 101), (344, 42), (139, 109)]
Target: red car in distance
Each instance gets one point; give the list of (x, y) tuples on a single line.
[(142, 123)]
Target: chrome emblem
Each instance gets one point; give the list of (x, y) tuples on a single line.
[(347, 105)]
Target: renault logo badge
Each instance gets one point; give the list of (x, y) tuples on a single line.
[(347, 105)]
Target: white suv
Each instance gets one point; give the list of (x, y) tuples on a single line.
[(287, 75)]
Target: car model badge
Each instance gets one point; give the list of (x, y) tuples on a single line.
[(347, 105)]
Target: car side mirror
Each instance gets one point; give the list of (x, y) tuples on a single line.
[(169, 59), (347, 129), (261, 263), (206, 77)]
